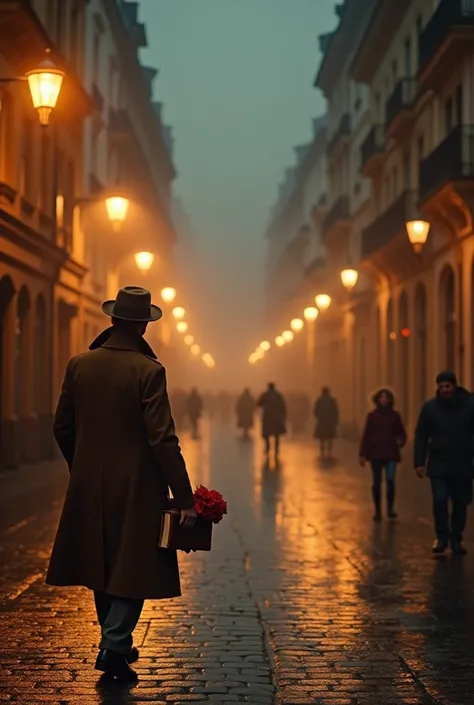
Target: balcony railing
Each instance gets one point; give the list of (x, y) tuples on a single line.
[(402, 98), (343, 130), (449, 14), (373, 144), (339, 211), (452, 160), (388, 225)]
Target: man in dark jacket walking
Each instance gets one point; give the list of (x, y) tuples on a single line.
[(326, 412), (273, 408), (114, 427), (444, 450)]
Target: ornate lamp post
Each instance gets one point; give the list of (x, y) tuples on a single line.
[(310, 315), (323, 302), (144, 261), (297, 325), (418, 231), (349, 278), (117, 209)]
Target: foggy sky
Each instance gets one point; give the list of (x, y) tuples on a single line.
[(236, 80)]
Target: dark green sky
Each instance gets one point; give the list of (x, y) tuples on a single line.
[(236, 80)]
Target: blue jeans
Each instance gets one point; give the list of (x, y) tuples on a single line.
[(378, 467), (459, 492)]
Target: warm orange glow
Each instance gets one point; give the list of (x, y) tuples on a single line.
[(117, 209), (311, 313), (280, 341), (208, 361), (393, 335), (144, 261), (418, 231), (178, 312), (349, 278), (405, 332), (288, 336), (168, 294), (297, 325), (195, 349), (265, 346), (322, 301), (189, 339), (45, 84), (182, 327)]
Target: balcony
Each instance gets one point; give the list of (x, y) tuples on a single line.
[(384, 229), (342, 132), (446, 37), (399, 110), (450, 166), (372, 151), (336, 221)]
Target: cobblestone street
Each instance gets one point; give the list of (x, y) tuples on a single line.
[(302, 599)]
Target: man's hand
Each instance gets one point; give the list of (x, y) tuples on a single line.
[(188, 518), (421, 471)]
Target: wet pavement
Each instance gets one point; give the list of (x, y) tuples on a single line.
[(302, 600)]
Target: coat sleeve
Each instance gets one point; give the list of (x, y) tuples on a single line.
[(400, 431), (422, 436), (364, 441), (162, 438), (64, 424)]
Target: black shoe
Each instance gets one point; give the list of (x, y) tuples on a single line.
[(378, 517), (115, 665), (440, 546), (133, 655), (458, 548)]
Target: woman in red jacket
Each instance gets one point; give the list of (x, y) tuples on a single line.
[(384, 435)]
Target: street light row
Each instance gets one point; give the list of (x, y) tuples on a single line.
[(168, 295)]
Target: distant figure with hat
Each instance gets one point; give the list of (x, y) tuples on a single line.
[(326, 412), (273, 407), (444, 451), (114, 427)]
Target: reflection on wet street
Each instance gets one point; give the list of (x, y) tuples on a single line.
[(302, 600)]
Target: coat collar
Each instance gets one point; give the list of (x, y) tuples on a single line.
[(115, 339)]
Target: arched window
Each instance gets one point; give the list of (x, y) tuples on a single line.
[(391, 342), (447, 285), (404, 338), (40, 355), (21, 358), (421, 343)]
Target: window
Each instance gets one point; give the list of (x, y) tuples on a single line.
[(448, 116), (408, 62), (378, 115), (26, 166), (394, 72), (406, 171), (459, 105), (96, 58), (421, 148), (46, 198)]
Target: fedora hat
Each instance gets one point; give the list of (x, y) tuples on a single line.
[(133, 303)]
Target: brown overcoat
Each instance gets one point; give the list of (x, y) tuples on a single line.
[(114, 427)]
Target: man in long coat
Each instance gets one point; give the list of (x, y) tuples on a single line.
[(273, 407), (114, 427)]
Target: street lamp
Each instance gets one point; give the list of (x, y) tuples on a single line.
[(418, 231), (265, 346), (349, 278), (280, 341), (208, 361), (182, 327), (323, 302), (45, 84), (117, 209), (178, 312), (311, 313), (189, 340), (297, 325), (168, 294), (144, 261), (195, 349), (253, 359), (288, 336)]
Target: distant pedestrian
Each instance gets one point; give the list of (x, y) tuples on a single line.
[(273, 408), (384, 434), (444, 450), (194, 407), (114, 427), (326, 412), (245, 410)]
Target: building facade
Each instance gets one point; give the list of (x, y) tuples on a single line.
[(400, 103), (59, 256)]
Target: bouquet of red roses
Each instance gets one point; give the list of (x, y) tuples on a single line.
[(209, 504)]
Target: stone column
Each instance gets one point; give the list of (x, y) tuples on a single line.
[(10, 429), (28, 429)]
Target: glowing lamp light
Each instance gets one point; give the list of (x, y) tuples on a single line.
[(288, 336), (144, 261), (311, 313), (393, 335), (208, 361), (418, 231), (349, 278), (265, 346), (189, 340), (259, 354), (322, 301), (280, 341), (297, 325), (405, 332), (182, 327), (195, 349), (253, 359), (168, 294), (117, 209), (178, 312), (45, 83)]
